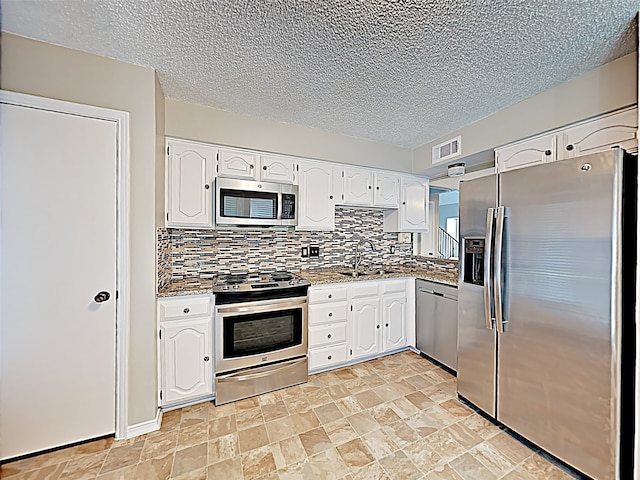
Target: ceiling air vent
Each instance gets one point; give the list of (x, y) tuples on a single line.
[(446, 150)]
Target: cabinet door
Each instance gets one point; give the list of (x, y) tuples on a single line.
[(394, 321), (525, 154), (414, 210), (317, 203), (617, 130), (387, 190), (358, 187), (365, 327), (190, 173), (187, 358), (277, 169), (238, 164)]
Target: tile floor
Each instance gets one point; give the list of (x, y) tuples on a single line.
[(395, 417)]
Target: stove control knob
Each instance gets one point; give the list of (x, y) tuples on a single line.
[(292, 282), (225, 287), (236, 287)]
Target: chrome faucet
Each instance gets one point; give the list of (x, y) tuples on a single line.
[(357, 259)]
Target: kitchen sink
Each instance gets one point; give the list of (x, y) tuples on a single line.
[(362, 273)]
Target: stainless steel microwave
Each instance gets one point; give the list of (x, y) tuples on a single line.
[(247, 203)]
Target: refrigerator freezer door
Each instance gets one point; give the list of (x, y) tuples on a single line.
[(476, 343), (556, 358)]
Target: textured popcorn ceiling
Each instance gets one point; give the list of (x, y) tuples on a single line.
[(399, 72)]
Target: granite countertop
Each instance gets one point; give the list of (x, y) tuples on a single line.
[(204, 285)]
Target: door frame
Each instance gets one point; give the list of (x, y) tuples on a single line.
[(121, 120)]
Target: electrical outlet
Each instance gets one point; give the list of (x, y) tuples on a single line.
[(305, 251), (392, 249), (314, 251)]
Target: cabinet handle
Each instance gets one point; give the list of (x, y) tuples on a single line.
[(330, 197), (251, 167), (330, 295), (369, 187), (329, 336), (264, 167), (377, 188), (329, 357), (569, 147), (404, 203), (386, 324), (331, 314), (206, 187), (547, 152), (206, 359), (186, 310), (102, 297), (377, 326)]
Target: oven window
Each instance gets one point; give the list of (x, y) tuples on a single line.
[(247, 204), (259, 333)]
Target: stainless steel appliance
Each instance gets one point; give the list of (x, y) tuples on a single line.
[(260, 328), (546, 303), (248, 203), (437, 322)]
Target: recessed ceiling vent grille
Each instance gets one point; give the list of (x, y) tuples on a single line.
[(446, 150)]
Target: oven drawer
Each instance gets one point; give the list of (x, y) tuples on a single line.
[(333, 293), (327, 334), (186, 307), (327, 313), (327, 356)]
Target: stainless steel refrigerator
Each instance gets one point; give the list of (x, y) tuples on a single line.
[(546, 304)]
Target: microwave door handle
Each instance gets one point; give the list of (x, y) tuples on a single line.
[(497, 271), (488, 281), (279, 207)]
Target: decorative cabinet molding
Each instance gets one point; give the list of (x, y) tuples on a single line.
[(386, 191), (317, 192), (412, 214), (358, 186), (185, 352), (617, 129), (238, 164), (190, 171)]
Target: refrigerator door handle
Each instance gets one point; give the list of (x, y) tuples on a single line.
[(497, 270), (488, 282)]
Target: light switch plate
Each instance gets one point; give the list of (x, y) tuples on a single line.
[(305, 251)]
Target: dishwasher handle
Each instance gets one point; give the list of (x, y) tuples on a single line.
[(438, 294)]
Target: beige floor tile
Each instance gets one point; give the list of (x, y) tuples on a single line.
[(356, 385), (492, 458), (541, 469), (420, 400), (470, 468), (373, 380), (193, 434), (368, 398), (197, 474), (155, 469), (258, 463), (315, 441), (456, 408), (251, 438), (510, 447), (401, 433), (422, 424), (85, 466), (399, 467), (481, 426), (328, 465), (126, 473), (274, 411), (303, 422), (403, 407), (328, 413), (445, 445), (280, 429), (190, 458), (195, 414), (288, 451), (222, 426), (340, 431), (221, 411), (380, 443), (373, 471), (159, 445), (345, 374), (222, 448), (518, 474), (249, 417), (120, 457), (419, 381), (298, 471), (349, 405), (363, 422), (422, 455), (464, 435), (445, 472), (247, 404), (355, 454), (384, 414), (338, 391), (229, 469)]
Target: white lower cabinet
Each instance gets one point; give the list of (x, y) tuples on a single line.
[(186, 349), (356, 320)]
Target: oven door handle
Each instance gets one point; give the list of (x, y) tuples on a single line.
[(261, 371), (262, 306)]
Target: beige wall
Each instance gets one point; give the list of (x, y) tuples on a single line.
[(195, 122), (160, 155), (601, 90), (50, 71)]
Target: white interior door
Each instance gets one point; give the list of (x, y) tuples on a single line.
[(57, 252)]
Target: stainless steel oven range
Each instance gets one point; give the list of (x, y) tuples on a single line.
[(260, 328)]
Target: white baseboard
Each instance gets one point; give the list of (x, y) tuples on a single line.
[(145, 427)]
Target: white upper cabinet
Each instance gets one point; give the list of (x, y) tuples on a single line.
[(412, 214), (317, 196), (527, 153), (387, 189), (358, 186), (278, 169), (615, 130), (618, 129), (190, 170), (238, 164)]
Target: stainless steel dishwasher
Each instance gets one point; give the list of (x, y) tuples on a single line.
[(437, 322)]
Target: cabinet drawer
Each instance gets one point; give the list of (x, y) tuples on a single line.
[(393, 286), (365, 289), (327, 294), (184, 308), (322, 335), (327, 356), (327, 313)]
